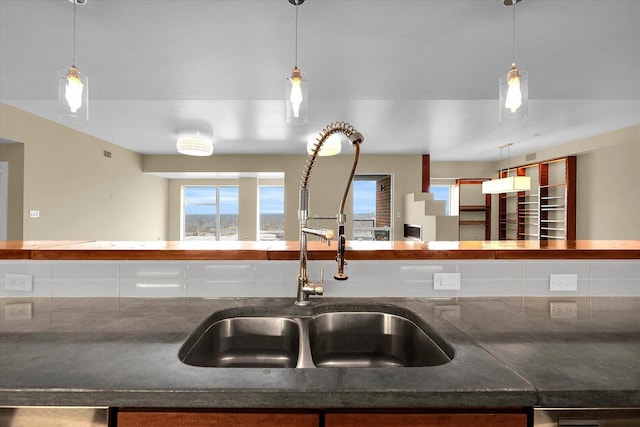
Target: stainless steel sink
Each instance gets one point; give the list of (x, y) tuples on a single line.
[(334, 339), (347, 339), (245, 342)]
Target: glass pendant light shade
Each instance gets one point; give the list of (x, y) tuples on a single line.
[(514, 95), (73, 86), (73, 94), (331, 146), (296, 98), (194, 146)]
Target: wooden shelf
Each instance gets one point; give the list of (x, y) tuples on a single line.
[(471, 209), (548, 210)]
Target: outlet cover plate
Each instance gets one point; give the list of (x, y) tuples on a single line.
[(563, 309), (18, 311), (18, 282), (446, 281), (563, 282)]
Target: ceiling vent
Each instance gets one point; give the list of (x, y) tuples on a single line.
[(530, 157)]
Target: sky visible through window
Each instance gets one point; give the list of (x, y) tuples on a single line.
[(202, 200), (272, 200), (364, 197), (441, 192)]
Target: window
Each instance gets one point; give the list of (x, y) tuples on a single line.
[(271, 208), (210, 212), (442, 192), (372, 207)]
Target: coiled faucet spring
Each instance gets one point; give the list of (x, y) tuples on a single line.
[(305, 287)]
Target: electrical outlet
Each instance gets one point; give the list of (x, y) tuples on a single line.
[(563, 282), (18, 282), (18, 311), (448, 311), (446, 281), (34, 214), (563, 310)]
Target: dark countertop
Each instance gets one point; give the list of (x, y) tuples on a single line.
[(508, 353)]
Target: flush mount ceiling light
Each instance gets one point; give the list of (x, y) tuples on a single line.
[(514, 86), (331, 147), (296, 87), (73, 86), (507, 184), (195, 145)]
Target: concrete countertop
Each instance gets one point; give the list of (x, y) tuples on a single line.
[(508, 353)]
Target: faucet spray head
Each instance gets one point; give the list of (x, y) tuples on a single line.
[(356, 138)]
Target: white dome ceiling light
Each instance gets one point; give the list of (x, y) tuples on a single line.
[(195, 145)]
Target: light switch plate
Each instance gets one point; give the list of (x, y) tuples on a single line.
[(446, 281)]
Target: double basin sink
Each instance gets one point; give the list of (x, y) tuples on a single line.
[(333, 338)]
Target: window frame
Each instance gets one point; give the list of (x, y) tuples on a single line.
[(216, 203)]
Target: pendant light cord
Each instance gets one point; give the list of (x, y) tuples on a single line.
[(296, 50), (513, 53), (74, 34)]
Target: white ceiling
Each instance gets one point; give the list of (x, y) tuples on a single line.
[(414, 76)]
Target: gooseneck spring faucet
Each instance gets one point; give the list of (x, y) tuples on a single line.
[(305, 286)]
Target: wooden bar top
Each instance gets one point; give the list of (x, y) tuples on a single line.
[(280, 250)]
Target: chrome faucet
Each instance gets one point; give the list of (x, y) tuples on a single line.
[(306, 287)]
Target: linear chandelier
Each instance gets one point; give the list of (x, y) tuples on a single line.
[(507, 184)]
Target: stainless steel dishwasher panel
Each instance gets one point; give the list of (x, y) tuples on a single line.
[(588, 417)]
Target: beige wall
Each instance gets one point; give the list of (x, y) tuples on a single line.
[(327, 184), (608, 198), (79, 193), (609, 193), (13, 154), (82, 195)]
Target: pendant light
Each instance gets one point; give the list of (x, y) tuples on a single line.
[(514, 92), (296, 88), (195, 145), (508, 184), (73, 86)]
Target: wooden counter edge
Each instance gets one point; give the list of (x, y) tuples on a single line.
[(288, 251)]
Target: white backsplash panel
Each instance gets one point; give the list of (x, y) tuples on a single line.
[(405, 278)]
